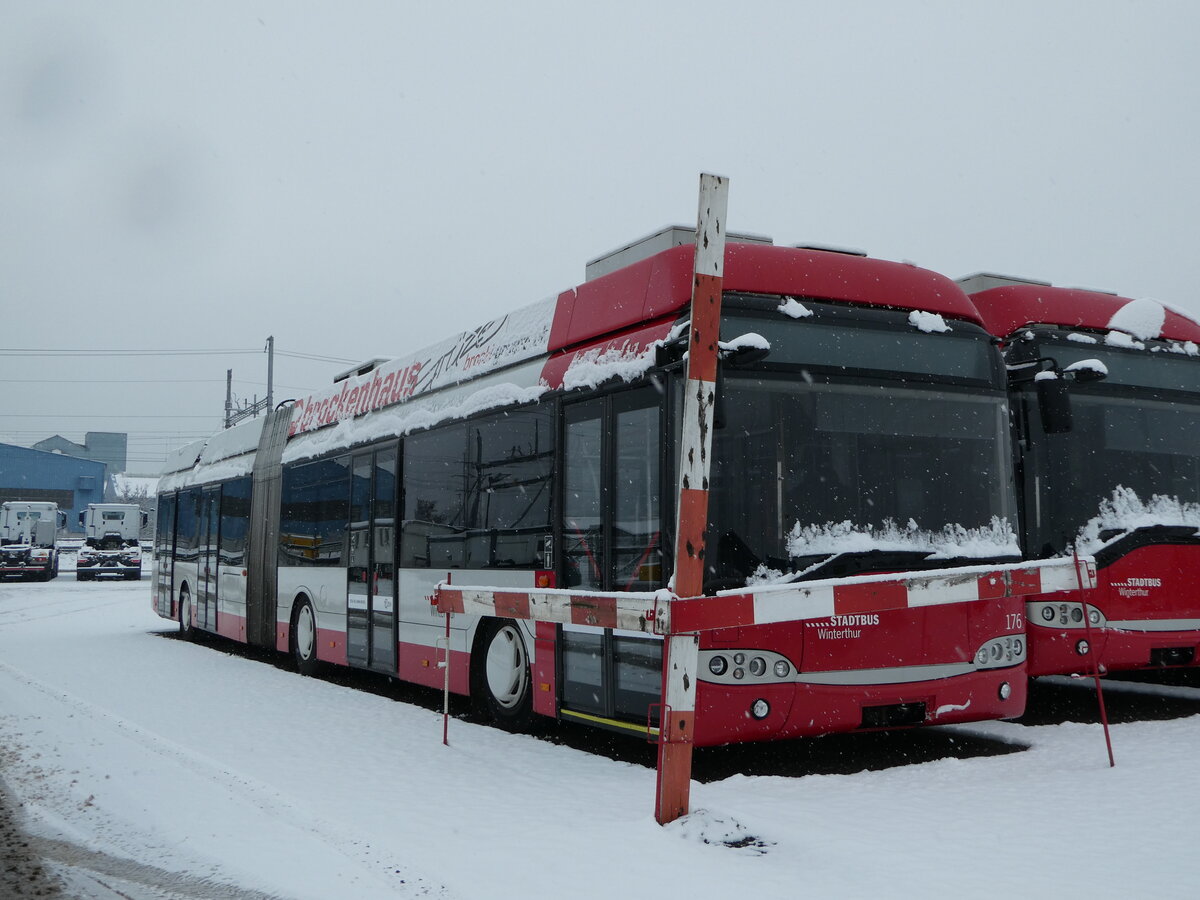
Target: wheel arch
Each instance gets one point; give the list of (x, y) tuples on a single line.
[(511, 716), (304, 665)]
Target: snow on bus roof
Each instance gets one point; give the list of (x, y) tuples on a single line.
[(184, 457), (240, 440), (1009, 308), (495, 345), (650, 290), (456, 402), (524, 383), (223, 470)]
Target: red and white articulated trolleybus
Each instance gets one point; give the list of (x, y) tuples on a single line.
[(1109, 463), (861, 427)]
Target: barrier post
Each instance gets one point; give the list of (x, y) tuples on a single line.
[(681, 651), (1087, 627), (445, 664)]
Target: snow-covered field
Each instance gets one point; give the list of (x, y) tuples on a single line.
[(167, 769)]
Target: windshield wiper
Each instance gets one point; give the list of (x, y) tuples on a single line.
[(869, 562)]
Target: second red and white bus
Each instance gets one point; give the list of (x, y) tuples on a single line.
[(1119, 479), (538, 450)]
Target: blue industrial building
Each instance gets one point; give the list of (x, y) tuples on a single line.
[(70, 482)]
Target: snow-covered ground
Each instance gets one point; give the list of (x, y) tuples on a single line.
[(142, 760)]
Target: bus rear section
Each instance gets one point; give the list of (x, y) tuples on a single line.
[(1116, 476)]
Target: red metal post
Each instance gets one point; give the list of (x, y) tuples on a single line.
[(446, 681), (681, 651), (1087, 629)]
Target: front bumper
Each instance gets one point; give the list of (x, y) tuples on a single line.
[(108, 566), (727, 713), (1068, 651)]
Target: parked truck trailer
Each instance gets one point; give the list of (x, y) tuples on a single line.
[(28, 530), (110, 547)]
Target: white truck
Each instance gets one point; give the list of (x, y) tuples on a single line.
[(28, 530), (110, 546)]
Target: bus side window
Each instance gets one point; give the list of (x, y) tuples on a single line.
[(433, 528)]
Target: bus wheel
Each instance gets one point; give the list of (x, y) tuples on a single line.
[(185, 614), (304, 639), (501, 687)]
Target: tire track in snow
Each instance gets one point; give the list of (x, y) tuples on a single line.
[(103, 875), (51, 609), (238, 787)]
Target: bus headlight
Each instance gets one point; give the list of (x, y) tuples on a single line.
[(1064, 615), (760, 709), (745, 667), (1001, 652)]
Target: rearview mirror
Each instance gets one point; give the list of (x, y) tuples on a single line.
[(1054, 403), (1088, 370), (744, 350)]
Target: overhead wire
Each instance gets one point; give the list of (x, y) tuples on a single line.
[(152, 445), (218, 351)]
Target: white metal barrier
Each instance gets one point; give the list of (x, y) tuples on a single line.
[(665, 614)]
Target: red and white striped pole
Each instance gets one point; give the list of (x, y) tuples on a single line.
[(681, 652)]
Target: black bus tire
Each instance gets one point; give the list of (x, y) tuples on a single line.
[(501, 685), (304, 638), (186, 631)]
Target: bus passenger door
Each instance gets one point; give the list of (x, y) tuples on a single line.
[(164, 554), (358, 569), (612, 540), (206, 595), (382, 598)]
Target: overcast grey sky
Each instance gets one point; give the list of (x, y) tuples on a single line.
[(364, 178)]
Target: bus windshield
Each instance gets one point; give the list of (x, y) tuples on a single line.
[(1134, 443), (805, 469)]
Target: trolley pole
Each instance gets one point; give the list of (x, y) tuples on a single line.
[(681, 652)]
